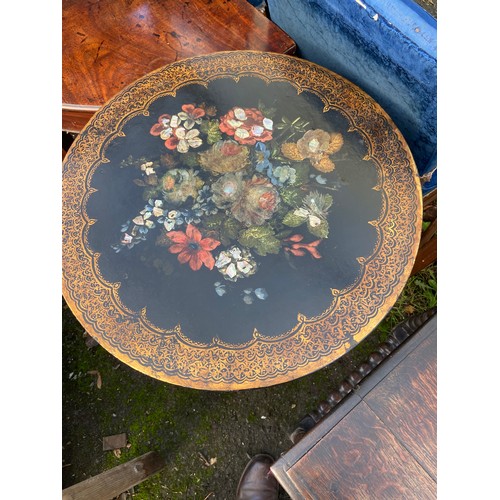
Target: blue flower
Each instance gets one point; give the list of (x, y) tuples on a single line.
[(282, 174), (261, 155), (204, 202), (131, 235), (189, 216)]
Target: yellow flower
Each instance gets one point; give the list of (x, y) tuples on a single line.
[(316, 145)]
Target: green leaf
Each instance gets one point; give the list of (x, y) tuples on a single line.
[(293, 220), (151, 192), (211, 129), (214, 221), (267, 112), (301, 173), (321, 230), (229, 231), (190, 159), (261, 239), (292, 196), (284, 234)]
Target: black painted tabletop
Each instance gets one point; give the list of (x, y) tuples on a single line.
[(219, 210)]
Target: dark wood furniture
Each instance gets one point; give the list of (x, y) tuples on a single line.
[(109, 44), (375, 440)]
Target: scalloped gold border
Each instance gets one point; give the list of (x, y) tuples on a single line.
[(315, 342)]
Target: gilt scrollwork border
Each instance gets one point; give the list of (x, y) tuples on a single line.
[(314, 342)]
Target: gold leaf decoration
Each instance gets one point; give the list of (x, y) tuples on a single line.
[(291, 151), (324, 164), (336, 142)]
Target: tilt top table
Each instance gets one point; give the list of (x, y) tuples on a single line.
[(237, 220), (108, 44)]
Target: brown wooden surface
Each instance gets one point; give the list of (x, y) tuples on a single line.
[(360, 458), (117, 480), (405, 401), (109, 44), (381, 441), (427, 252)]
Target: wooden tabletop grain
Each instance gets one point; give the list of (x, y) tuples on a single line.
[(108, 44), (381, 441)]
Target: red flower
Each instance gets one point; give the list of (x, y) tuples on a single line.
[(298, 248), (192, 248), (247, 125), (191, 115), (163, 124)]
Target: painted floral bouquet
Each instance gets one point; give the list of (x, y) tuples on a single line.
[(232, 188)]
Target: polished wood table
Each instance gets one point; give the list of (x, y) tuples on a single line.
[(108, 44), (380, 442), (237, 220)]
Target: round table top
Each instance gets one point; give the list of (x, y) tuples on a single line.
[(237, 220)]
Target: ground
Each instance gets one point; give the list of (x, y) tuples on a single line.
[(189, 427)]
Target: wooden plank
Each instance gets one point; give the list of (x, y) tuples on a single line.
[(115, 481), (359, 458), (406, 401)]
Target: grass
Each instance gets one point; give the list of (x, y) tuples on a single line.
[(185, 425)]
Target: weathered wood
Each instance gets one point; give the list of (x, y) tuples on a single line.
[(359, 458), (111, 43), (399, 334), (380, 440), (115, 481), (406, 401)]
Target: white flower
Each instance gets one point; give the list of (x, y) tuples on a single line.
[(174, 121), (257, 130), (222, 260), (235, 263), (240, 114), (147, 168), (231, 270), (241, 133), (189, 120), (314, 221), (301, 212), (166, 133), (244, 266), (235, 252), (268, 123), (187, 139), (157, 210)]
